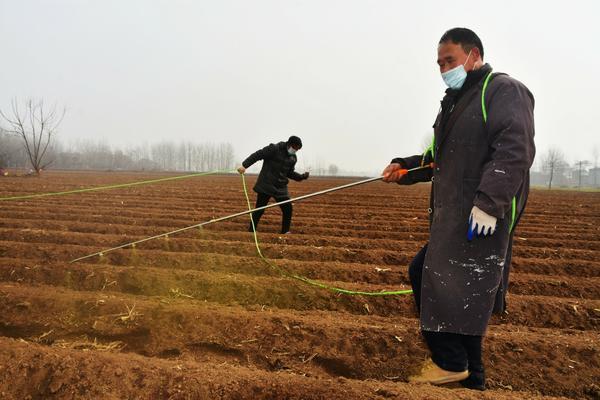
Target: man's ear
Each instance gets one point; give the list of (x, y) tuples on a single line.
[(477, 54)]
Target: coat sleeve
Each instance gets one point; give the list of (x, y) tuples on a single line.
[(264, 153), (295, 176), (292, 174), (414, 162), (510, 130)]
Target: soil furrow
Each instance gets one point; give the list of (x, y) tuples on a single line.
[(352, 347)]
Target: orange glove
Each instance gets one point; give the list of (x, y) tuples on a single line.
[(393, 173)]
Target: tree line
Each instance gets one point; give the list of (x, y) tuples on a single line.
[(99, 155), (28, 140)]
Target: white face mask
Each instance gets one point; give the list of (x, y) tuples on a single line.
[(291, 151), (455, 78)]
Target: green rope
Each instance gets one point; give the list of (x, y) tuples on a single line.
[(122, 185), (485, 84), (305, 279)]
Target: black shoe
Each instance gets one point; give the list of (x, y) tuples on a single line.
[(475, 381)]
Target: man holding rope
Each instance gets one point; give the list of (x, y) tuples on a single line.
[(279, 161), (482, 150)]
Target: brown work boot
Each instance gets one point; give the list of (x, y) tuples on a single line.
[(431, 373)]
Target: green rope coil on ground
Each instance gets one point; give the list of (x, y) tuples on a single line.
[(305, 279)]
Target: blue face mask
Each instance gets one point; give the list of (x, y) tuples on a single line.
[(291, 151), (455, 78)]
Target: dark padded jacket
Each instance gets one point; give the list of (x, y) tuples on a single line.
[(277, 169)]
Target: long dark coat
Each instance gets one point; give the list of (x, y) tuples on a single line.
[(476, 163), (278, 166)]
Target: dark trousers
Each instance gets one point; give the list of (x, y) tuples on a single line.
[(286, 209), (450, 351)]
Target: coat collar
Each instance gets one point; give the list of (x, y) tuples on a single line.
[(455, 101)]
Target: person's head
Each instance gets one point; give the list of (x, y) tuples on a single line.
[(459, 46), (294, 144)]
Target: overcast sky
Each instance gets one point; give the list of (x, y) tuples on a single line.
[(356, 80)]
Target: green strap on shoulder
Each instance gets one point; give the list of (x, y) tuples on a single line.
[(431, 148), (513, 213), (485, 85)]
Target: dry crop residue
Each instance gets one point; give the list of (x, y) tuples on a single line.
[(199, 315)]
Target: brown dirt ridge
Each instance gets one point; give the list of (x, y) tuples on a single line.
[(198, 315)]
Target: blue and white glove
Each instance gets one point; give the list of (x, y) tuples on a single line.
[(480, 223)]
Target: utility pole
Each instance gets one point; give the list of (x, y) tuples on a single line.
[(582, 164)]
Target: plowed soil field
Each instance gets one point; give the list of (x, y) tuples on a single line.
[(199, 315)]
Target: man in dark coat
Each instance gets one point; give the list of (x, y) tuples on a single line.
[(481, 153), (279, 161)]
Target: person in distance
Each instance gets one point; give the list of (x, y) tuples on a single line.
[(279, 160)]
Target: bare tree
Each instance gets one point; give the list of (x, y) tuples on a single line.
[(36, 126), (333, 169), (164, 153), (9, 147), (226, 156), (553, 162), (182, 157), (595, 156)]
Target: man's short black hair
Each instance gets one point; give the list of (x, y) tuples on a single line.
[(294, 141), (465, 37)]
